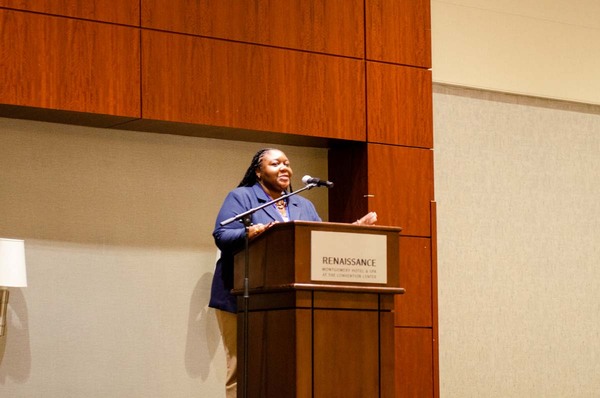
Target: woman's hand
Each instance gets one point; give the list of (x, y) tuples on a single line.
[(368, 219), (257, 229)]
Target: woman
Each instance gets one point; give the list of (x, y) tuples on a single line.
[(268, 177)]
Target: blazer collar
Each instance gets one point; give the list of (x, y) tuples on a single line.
[(293, 204), (262, 197)]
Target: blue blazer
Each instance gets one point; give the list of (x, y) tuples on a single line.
[(230, 238)]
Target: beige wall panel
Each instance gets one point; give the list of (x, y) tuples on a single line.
[(572, 12), (514, 53), (517, 187), (120, 257)]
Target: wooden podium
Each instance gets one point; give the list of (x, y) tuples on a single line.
[(311, 334)]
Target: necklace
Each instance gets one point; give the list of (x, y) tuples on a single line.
[(282, 209)]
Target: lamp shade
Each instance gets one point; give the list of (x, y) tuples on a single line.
[(12, 263)]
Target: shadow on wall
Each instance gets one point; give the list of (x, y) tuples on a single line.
[(15, 358), (86, 185), (203, 337)]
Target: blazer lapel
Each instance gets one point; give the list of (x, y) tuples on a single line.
[(293, 209), (262, 199), (273, 213)]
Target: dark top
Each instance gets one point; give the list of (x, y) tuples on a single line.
[(230, 238)]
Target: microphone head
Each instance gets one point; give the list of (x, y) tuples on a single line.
[(306, 179)]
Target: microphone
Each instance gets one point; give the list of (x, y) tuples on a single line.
[(320, 183)]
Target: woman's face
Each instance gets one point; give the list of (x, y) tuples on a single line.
[(274, 172)]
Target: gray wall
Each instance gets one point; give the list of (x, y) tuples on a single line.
[(518, 188), (120, 257)]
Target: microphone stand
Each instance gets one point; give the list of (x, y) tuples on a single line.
[(246, 219)]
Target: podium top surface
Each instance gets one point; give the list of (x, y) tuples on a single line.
[(344, 227)]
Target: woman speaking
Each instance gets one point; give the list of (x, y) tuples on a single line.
[(267, 178)]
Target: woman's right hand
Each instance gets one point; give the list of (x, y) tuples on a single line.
[(257, 229)]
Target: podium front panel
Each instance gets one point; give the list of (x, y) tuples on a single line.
[(314, 339)]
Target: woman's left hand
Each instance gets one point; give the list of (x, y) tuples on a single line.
[(368, 219)]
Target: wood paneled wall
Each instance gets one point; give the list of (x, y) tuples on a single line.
[(352, 72), (125, 12), (399, 31), (399, 105), (68, 64), (329, 27), (214, 82)]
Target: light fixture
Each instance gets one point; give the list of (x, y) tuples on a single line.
[(12, 273)]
